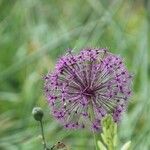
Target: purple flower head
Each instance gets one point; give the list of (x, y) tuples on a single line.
[(85, 87)]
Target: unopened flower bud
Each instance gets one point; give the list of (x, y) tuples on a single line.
[(37, 113)]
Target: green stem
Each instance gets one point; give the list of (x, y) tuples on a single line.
[(42, 131), (95, 141), (91, 118)]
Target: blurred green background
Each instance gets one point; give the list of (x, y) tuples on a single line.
[(34, 33)]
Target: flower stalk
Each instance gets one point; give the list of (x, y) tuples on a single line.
[(43, 137), (38, 115)]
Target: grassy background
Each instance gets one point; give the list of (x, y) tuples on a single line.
[(34, 33)]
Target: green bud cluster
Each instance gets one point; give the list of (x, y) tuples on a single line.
[(109, 136)]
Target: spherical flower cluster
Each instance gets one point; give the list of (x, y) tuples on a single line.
[(85, 87)]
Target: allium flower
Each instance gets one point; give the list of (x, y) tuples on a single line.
[(85, 87)]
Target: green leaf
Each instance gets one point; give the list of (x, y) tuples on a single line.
[(104, 138), (126, 146), (101, 145)]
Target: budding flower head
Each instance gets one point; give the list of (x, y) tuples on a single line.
[(37, 113), (85, 87)]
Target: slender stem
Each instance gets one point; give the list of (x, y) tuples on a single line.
[(95, 141), (91, 117), (42, 131)]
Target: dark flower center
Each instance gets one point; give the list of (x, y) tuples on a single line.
[(88, 92)]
